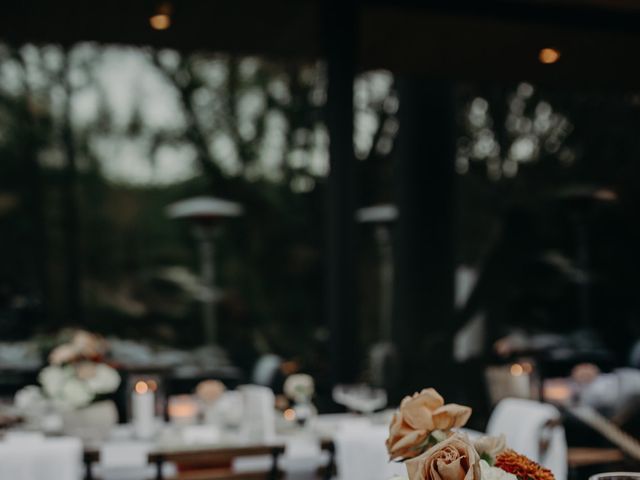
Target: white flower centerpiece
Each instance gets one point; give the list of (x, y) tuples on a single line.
[(300, 389), (74, 385)]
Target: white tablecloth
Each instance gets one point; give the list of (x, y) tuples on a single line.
[(32, 458), (361, 453)]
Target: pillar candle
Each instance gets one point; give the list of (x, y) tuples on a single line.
[(143, 410)]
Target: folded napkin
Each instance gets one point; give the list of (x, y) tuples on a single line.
[(124, 460), (259, 420), (302, 455), (124, 454), (523, 423), (41, 459), (361, 453)]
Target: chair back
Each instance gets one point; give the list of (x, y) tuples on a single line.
[(533, 429)]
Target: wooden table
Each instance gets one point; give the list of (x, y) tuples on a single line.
[(210, 463), (579, 457)]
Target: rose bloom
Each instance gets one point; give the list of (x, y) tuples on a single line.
[(210, 390), (491, 446), (88, 344), (452, 459), (62, 354), (418, 416)]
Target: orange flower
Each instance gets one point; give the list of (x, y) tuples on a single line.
[(522, 467)]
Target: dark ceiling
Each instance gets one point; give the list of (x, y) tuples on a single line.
[(599, 40)]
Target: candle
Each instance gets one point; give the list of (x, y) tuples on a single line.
[(557, 391), (182, 409), (143, 410)]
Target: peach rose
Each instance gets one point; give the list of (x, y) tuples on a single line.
[(419, 416), (62, 354), (88, 344), (452, 459)]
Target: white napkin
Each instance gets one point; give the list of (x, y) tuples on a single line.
[(124, 460), (124, 454), (200, 434), (522, 422), (39, 459), (259, 422), (361, 453), (302, 454)]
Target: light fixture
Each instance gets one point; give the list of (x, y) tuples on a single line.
[(549, 55), (161, 19)]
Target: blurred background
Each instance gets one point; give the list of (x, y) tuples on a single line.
[(391, 195)]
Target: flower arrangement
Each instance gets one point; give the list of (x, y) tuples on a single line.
[(76, 375), (422, 435), (299, 387)]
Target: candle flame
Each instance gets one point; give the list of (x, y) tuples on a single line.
[(141, 387)]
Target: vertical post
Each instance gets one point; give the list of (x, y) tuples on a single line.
[(425, 241), (205, 236), (339, 32), (70, 200), (385, 249)]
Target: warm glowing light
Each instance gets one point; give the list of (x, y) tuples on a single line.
[(556, 390), (160, 21), (527, 367), (606, 195), (141, 387), (153, 385), (516, 370), (182, 409), (289, 414), (549, 55)]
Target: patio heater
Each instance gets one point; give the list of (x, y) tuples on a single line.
[(205, 214), (382, 353)]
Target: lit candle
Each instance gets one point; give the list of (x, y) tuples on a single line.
[(520, 381), (143, 410), (182, 409)]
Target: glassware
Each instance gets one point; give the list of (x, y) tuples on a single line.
[(360, 398), (616, 476)]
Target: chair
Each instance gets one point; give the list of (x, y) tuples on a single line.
[(533, 429)]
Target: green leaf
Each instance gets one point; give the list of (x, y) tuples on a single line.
[(487, 458)]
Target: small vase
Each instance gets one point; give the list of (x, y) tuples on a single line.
[(305, 412), (93, 422)]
